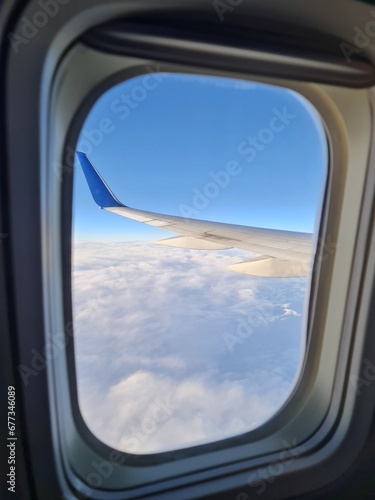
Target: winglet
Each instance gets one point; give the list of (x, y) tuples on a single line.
[(101, 193)]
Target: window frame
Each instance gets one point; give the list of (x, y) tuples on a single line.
[(262, 440), (66, 452)]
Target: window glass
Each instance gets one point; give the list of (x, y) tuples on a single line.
[(188, 344)]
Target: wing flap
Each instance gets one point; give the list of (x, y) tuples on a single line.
[(271, 267)]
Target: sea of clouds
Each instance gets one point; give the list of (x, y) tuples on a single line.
[(173, 350)]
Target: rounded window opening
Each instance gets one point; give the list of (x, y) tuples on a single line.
[(202, 336)]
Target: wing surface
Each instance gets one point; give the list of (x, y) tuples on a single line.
[(282, 253)]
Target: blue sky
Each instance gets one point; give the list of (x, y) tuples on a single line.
[(158, 140)]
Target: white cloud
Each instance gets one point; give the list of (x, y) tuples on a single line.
[(160, 326)]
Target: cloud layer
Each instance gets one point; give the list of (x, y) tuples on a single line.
[(173, 350)]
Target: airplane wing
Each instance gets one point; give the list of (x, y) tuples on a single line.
[(282, 253)]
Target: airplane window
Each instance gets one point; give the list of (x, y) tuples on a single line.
[(191, 285)]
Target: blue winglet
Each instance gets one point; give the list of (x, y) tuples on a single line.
[(101, 193)]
